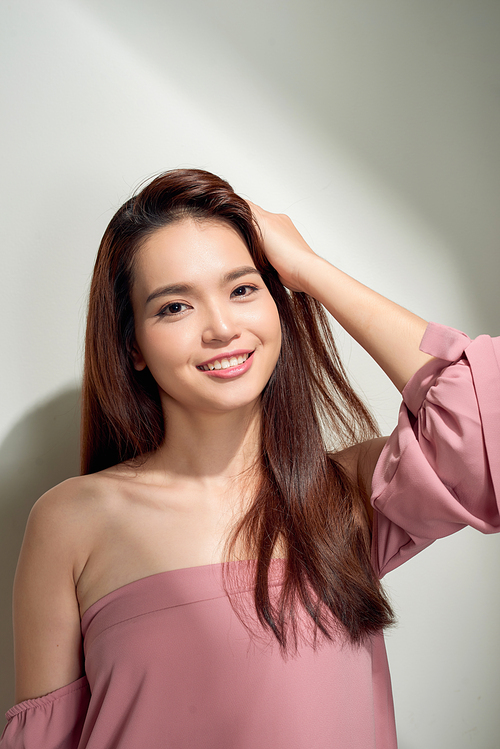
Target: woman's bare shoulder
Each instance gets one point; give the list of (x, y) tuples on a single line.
[(70, 500), (82, 495), (68, 515)]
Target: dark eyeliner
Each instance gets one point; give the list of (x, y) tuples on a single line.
[(163, 312), (245, 286)]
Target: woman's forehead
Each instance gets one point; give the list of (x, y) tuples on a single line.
[(190, 251)]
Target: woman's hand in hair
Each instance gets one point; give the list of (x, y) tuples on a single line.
[(388, 332), (285, 248)]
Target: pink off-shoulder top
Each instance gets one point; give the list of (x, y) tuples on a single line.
[(169, 665)]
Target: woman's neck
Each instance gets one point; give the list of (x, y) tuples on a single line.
[(209, 448)]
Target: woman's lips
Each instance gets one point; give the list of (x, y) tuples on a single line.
[(226, 372)]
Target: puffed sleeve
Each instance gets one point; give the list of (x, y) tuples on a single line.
[(440, 469), (54, 721)]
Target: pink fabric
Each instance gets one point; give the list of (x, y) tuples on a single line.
[(440, 468), (168, 662), (51, 722), (170, 665)]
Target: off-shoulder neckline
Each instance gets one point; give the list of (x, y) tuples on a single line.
[(89, 612)]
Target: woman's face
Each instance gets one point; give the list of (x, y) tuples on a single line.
[(206, 325)]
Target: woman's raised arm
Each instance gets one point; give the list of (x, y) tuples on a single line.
[(388, 332)]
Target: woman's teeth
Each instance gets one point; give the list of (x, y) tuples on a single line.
[(233, 361)]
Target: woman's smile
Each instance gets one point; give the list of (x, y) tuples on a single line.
[(228, 365)]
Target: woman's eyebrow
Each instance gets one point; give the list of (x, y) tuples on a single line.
[(245, 270), (175, 288), (184, 288)]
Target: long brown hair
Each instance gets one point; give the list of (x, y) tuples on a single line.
[(305, 502)]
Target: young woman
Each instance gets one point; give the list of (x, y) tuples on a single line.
[(212, 578)]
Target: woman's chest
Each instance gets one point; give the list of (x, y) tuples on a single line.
[(142, 539)]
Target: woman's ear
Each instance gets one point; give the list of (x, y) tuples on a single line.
[(137, 358)]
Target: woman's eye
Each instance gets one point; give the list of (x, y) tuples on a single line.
[(171, 309), (244, 290)]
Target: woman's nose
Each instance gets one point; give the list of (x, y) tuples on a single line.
[(220, 325)]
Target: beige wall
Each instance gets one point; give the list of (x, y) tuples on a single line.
[(374, 124)]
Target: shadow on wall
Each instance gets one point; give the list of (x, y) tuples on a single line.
[(39, 452)]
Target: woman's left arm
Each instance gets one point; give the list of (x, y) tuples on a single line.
[(388, 332)]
